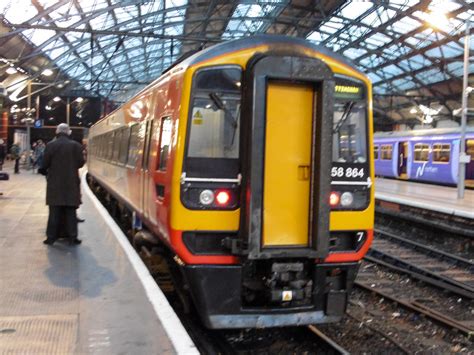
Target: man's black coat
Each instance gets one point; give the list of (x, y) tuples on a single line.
[(62, 159)]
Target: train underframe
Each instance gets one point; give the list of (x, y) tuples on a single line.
[(255, 293)]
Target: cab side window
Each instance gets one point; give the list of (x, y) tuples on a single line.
[(165, 141)]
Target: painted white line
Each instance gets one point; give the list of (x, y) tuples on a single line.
[(424, 205), (170, 321)]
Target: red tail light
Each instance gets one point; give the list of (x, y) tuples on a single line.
[(334, 198), (223, 198)]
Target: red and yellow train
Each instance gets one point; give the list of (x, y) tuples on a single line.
[(250, 161)]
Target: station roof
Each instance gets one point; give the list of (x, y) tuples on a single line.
[(113, 48)]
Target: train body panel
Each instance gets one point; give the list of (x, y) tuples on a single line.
[(251, 161), (425, 156)]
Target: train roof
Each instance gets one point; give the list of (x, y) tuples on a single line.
[(422, 132), (253, 41)]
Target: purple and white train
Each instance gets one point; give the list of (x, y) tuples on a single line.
[(423, 155)]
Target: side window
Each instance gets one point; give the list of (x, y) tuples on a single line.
[(165, 140), (376, 152), (123, 154), (422, 152), (386, 152), (117, 138), (133, 148), (110, 145), (441, 152), (101, 146)]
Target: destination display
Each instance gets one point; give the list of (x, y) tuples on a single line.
[(350, 91)]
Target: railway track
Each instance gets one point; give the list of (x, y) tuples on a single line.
[(435, 267)]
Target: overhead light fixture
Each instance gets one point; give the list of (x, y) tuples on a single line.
[(79, 99), (60, 86), (413, 110), (47, 72), (56, 99), (11, 70)]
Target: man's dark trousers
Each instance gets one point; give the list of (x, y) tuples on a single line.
[(62, 222), (17, 166)]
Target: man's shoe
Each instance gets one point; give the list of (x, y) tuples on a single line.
[(75, 241), (48, 241)]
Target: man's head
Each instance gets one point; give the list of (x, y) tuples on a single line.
[(63, 128)]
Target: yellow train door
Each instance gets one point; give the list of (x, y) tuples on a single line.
[(287, 164)]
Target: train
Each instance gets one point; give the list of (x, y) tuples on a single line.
[(249, 163), (427, 155)]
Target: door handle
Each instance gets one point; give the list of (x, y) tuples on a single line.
[(303, 172)]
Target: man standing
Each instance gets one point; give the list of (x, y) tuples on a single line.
[(62, 159), (15, 151)]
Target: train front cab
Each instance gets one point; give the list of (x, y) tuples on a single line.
[(270, 252)]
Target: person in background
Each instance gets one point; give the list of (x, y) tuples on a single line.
[(39, 153), (15, 151), (3, 153), (61, 162)]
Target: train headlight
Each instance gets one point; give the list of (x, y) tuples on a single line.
[(347, 198), (206, 197), (334, 198)]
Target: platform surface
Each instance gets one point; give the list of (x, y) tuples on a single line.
[(65, 299), (431, 197)]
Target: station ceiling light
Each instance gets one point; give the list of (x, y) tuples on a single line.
[(56, 99), (47, 72), (11, 70)]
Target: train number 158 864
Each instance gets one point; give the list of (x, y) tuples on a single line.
[(347, 172)]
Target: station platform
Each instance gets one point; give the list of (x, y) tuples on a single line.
[(93, 298), (441, 199)]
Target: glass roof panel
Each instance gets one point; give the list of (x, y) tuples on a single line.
[(403, 84), (405, 25), (354, 52), (443, 6), (354, 9), (65, 16), (53, 50), (17, 14), (378, 17), (456, 68), (237, 26), (431, 76), (37, 36), (374, 77), (392, 70)]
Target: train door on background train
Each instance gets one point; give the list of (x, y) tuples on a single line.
[(402, 160), (470, 165)]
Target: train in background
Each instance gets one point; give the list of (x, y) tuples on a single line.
[(430, 155), (249, 164)]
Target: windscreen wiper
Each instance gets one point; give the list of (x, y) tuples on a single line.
[(345, 116), (227, 113)]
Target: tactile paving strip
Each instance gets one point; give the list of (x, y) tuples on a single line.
[(47, 334)]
